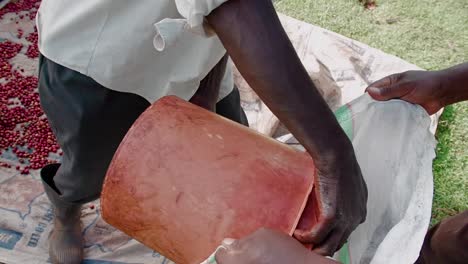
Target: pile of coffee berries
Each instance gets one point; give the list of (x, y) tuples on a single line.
[(24, 130)]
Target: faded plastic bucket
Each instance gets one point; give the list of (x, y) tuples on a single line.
[(184, 178)]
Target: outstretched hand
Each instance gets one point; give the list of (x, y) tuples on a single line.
[(418, 87), (430, 89), (267, 247)]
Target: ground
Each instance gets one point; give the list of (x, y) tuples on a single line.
[(432, 34)]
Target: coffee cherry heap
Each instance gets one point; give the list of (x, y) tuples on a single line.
[(24, 130)]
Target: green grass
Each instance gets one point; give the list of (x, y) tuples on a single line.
[(450, 167), (432, 34)]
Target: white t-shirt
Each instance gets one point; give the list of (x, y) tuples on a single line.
[(151, 48)]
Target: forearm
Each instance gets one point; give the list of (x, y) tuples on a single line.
[(208, 91), (455, 84), (257, 43)]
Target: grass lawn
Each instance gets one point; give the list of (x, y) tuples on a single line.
[(432, 34)]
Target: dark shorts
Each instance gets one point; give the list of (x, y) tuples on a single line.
[(89, 122)]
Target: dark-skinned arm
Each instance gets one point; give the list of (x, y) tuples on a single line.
[(257, 43), (267, 247), (208, 92), (432, 90), (455, 84)]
